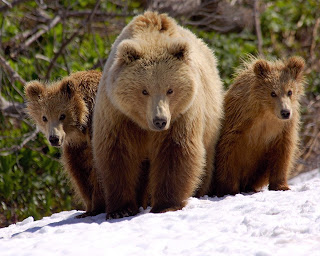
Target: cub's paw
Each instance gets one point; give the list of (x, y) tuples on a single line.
[(126, 212), (279, 187), (88, 214)]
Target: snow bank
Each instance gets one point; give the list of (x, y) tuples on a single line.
[(265, 223)]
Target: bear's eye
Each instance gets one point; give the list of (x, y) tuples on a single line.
[(145, 92), (289, 93), (44, 119), (62, 117), (170, 91), (273, 94)]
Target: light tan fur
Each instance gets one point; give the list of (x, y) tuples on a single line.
[(162, 96), (259, 137), (63, 112)]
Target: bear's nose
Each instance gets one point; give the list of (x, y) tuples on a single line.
[(54, 140), (159, 123), (285, 113)]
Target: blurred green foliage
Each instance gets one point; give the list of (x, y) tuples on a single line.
[(32, 181)]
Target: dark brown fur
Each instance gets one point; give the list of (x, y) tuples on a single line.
[(257, 145), (73, 97)]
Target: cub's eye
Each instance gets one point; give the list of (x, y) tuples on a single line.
[(44, 119), (289, 93), (169, 91), (145, 92), (273, 94), (62, 117)]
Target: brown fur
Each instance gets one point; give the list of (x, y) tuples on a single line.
[(257, 145), (73, 97), (156, 69)]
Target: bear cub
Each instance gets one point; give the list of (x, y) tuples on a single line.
[(63, 112), (259, 138)]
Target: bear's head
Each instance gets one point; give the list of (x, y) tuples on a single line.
[(153, 83), (279, 85), (57, 110)]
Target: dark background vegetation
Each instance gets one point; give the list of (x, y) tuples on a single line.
[(49, 39)]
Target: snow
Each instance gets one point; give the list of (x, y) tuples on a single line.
[(264, 223)]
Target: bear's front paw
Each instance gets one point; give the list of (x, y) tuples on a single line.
[(88, 213), (163, 208), (279, 187), (126, 212)]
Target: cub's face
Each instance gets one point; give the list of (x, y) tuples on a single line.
[(53, 109), (153, 91), (279, 87)]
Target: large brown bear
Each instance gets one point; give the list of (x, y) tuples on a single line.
[(160, 98), (259, 137), (63, 112)]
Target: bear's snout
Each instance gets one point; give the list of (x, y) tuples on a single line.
[(285, 113), (54, 140), (160, 123)]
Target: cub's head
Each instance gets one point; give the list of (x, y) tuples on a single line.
[(153, 83), (56, 109), (279, 85)]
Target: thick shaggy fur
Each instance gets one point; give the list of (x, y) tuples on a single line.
[(63, 112), (160, 98), (259, 137)]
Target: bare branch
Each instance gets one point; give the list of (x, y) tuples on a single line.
[(7, 3), (70, 39), (30, 136), (13, 74), (314, 37), (258, 26), (35, 36), (14, 3), (217, 15), (13, 109), (98, 14)]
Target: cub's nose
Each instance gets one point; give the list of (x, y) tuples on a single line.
[(54, 140), (285, 113), (159, 123)]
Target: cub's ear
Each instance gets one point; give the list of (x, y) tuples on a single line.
[(128, 51), (34, 90), (296, 66), (179, 49), (68, 88), (262, 69)]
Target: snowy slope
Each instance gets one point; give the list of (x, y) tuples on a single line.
[(265, 223)]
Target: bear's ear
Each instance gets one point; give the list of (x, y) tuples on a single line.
[(179, 50), (67, 88), (261, 69), (296, 66), (34, 90), (128, 51)]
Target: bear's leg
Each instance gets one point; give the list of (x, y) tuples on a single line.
[(117, 153), (121, 172), (278, 174), (258, 178), (205, 187), (279, 163), (79, 167), (97, 200), (176, 168), (143, 195), (226, 177), (97, 203)]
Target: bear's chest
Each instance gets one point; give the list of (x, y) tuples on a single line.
[(264, 131)]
